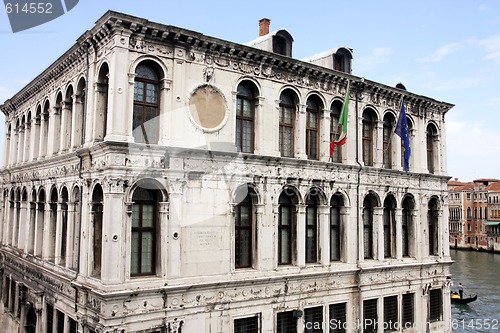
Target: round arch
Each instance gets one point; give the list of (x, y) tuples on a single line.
[(150, 184)]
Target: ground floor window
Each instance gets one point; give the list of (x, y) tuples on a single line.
[(391, 322), (247, 325), (408, 310), (370, 317), (313, 320), (435, 305), (286, 322), (338, 320)]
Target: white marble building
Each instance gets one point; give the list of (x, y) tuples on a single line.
[(157, 179)]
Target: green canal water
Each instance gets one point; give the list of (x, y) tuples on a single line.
[(479, 272)]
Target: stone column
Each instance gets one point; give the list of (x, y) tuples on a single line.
[(113, 233), (166, 238), (42, 146), (6, 153), (300, 233), (34, 139), (348, 236), (54, 131), (23, 225), (77, 121), (27, 141), (264, 240), (20, 144), (121, 92), (163, 128), (176, 190), (30, 238), (71, 249), (15, 226), (399, 232), (14, 147), (378, 144), (324, 146), (58, 260), (378, 233), (300, 132), (66, 108), (324, 234), (260, 145)]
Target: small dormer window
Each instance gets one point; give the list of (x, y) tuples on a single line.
[(279, 45), (342, 60), (339, 64), (282, 43)]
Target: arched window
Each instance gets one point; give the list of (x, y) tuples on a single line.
[(335, 130), (56, 117), (73, 228), (432, 220), (27, 137), (244, 224), (67, 119), (313, 109), (389, 220), (469, 213), (245, 117), (368, 137), (312, 203), (368, 210), (286, 226), (78, 134), (32, 223), (45, 130), (431, 136), (145, 124), (287, 124), (406, 226), (387, 138), (336, 202), (17, 220), (36, 132), (64, 227), (52, 224), (102, 88), (97, 214), (144, 232)]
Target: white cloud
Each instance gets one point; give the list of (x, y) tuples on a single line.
[(377, 56), (442, 52)]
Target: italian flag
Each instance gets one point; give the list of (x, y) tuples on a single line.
[(342, 122)]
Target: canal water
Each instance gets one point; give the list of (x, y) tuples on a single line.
[(479, 272)]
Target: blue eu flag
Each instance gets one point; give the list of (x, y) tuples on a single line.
[(402, 131)]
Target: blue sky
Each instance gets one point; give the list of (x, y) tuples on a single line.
[(446, 50)]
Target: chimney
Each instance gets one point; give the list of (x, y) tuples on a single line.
[(264, 26)]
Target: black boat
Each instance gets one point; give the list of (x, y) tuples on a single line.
[(455, 298)]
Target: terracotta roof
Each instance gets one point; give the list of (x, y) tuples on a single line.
[(493, 187)]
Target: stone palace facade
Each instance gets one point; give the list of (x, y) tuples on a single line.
[(160, 180)]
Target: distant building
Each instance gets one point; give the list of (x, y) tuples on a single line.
[(474, 214), (160, 180)]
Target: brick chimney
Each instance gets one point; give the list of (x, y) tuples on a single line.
[(264, 26)]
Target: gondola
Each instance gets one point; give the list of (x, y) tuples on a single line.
[(455, 298)]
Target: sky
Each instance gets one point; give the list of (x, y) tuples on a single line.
[(446, 50)]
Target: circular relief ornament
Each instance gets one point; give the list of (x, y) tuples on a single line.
[(207, 108)]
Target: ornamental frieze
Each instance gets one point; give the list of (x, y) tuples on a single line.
[(32, 274)]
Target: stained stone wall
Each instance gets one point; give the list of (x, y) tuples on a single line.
[(71, 168)]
